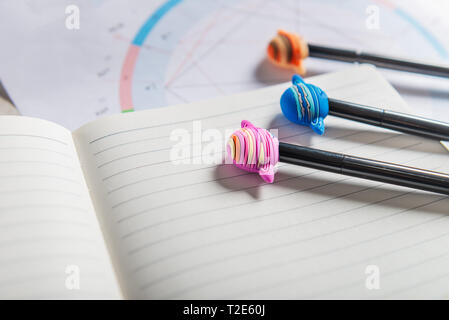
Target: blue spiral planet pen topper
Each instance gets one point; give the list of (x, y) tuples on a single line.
[(305, 104)]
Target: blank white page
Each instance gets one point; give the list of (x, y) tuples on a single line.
[(51, 246), (202, 230)]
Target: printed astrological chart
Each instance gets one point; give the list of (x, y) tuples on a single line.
[(190, 50), (140, 54)]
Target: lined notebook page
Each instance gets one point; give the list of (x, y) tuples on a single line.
[(51, 246), (214, 231)]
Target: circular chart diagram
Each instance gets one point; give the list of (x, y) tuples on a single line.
[(190, 50)]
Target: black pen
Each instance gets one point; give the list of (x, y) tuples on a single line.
[(257, 150), (306, 104), (289, 50), (393, 120), (364, 168), (381, 61)]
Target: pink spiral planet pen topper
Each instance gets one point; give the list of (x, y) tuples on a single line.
[(255, 150)]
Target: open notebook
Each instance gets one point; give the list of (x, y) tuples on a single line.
[(103, 213)]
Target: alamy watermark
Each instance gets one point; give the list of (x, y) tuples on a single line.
[(200, 146), (372, 21), (72, 20), (73, 277), (372, 280)]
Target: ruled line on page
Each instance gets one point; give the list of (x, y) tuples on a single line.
[(361, 262), (282, 124), (115, 189), (9, 135), (169, 161), (64, 154), (271, 213), (183, 121), (210, 244), (317, 255), (233, 125), (36, 162), (283, 245), (39, 176), (132, 215), (187, 145), (332, 138), (434, 279), (208, 211), (388, 273)]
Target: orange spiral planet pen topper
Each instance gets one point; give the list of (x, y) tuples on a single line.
[(289, 50)]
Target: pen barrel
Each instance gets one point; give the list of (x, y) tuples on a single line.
[(378, 60), (397, 121), (364, 168)]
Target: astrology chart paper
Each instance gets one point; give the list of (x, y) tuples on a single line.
[(71, 64)]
